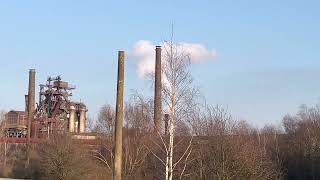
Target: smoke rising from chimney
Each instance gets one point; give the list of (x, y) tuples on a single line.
[(143, 53)]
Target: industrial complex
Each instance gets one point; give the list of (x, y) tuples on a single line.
[(54, 112)]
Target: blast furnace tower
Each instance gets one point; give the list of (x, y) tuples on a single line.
[(55, 110)]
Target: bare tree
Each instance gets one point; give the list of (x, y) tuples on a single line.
[(63, 158), (227, 149), (137, 129), (90, 124), (105, 121), (302, 145), (179, 96), (105, 126)]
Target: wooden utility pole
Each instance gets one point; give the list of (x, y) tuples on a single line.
[(119, 118), (157, 91)]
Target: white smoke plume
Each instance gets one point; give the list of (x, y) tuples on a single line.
[(144, 52)]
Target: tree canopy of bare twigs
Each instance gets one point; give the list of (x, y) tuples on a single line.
[(138, 125), (302, 150), (63, 159), (226, 149), (105, 121)]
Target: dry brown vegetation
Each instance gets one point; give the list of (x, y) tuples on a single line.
[(221, 148)]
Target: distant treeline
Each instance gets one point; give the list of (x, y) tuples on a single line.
[(209, 145)]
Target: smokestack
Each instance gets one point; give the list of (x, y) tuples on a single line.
[(166, 120), (26, 103), (31, 99), (119, 119), (157, 91)]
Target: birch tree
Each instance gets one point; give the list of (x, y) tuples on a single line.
[(178, 95)]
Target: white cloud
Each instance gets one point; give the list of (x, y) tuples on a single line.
[(144, 52), (198, 52)]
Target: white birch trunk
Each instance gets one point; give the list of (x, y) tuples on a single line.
[(167, 166), (171, 134)]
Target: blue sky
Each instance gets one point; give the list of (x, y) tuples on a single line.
[(267, 60)]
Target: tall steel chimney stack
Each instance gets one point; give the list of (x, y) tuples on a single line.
[(119, 119), (31, 99), (157, 91)]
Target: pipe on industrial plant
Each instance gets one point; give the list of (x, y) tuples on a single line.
[(166, 120), (82, 120), (119, 119), (157, 91), (26, 103), (72, 116), (31, 99)]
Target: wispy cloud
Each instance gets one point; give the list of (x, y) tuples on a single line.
[(143, 52)]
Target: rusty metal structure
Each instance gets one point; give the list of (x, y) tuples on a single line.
[(54, 112)]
